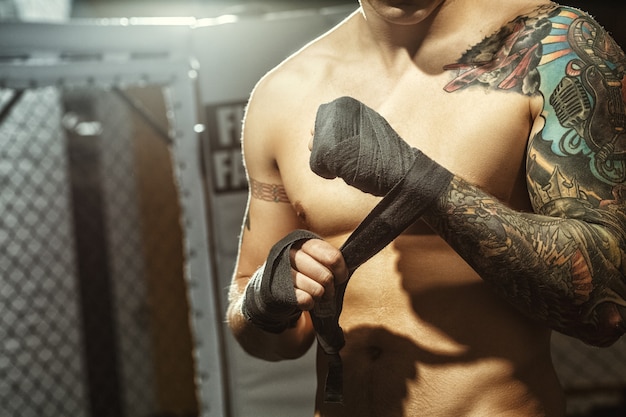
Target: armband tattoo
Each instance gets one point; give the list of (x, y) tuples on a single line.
[(268, 192)]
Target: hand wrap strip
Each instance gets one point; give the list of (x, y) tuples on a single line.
[(269, 302), (355, 143)]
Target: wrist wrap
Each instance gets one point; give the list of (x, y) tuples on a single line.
[(269, 300)]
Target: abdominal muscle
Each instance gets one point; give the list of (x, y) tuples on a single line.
[(429, 338)]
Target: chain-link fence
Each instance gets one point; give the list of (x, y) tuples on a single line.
[(106, 305), (93, 304)]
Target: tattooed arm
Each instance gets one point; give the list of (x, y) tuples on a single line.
[(563, 264), (566, 272)]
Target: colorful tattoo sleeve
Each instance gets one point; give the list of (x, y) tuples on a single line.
[(563, 264)]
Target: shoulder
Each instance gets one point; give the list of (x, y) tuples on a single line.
[(533, 47), (277, 97), (301, 74), (576, 48), (563, 30), (298, 79), (282, 104)]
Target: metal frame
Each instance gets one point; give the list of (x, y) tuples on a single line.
[(113, 54)]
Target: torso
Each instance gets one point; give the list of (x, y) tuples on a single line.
[(424, 334)]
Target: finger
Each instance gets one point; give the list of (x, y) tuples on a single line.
[(308, 285), (307, 265), (328, 256), (304, 299), (309, 292)]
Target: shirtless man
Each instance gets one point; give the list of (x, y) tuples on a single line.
[(522, 101)]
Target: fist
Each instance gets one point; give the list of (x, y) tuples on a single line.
[(353, 142), (317, 267)]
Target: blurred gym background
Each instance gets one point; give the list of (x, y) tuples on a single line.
[(121, 201)]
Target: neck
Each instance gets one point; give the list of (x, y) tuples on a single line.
[(398, 36), (406, 24)]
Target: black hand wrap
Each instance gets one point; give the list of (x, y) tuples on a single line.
[(355, 143), (269, 300)]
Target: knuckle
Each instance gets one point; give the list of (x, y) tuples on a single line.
[(317, 292), (305, 302), (326, 278), (327, 256), (333, 258)]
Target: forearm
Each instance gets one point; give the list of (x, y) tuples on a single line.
[(565, 272), (290, 344), (564, 268)]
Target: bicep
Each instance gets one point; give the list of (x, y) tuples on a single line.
[(269, 214)]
